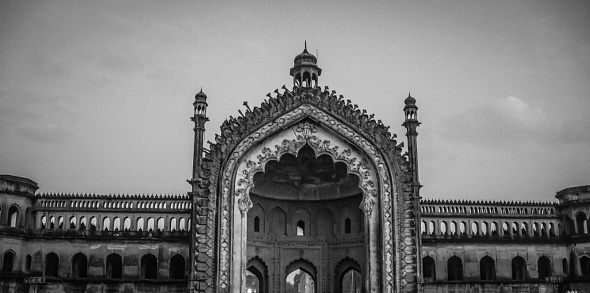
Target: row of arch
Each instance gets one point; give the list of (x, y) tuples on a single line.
[(487, 268), (301, 223), (488, 210), (488, 228), (301, 276), (117, 224), (113, 269), (116, 204)]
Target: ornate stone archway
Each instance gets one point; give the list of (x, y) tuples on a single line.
[(227, 182)]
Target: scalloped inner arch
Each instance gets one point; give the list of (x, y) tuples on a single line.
[(305, 177)]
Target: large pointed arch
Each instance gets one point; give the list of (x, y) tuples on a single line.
[(227, 185)]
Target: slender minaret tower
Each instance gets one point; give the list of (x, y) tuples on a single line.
[(200, 118), (411, 124)]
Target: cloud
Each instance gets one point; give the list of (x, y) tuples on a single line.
[(512, 121), (41, 118)]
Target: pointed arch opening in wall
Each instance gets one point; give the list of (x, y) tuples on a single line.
[(256, 219), (256, 276), (519, 271), (149, 267), (28, 263), (351, 281), (139, 225), (160, 224), (301, 277), (8, 261), (150, 224), (544, 267), (93, 224), (278, 218), (126, 224), (300, 228), (582, 223), (106, 224), (13, 212), (114, 268), (73, 223), (585, 266), (116, 224), (443, 228), (325, 222), (79, 266), (428, 268), (564, 266), (455, 268), (487, 268), (177, 267), (173, 226), (51, 265)]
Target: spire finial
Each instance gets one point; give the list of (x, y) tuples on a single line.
[(201, 89), (409, 94), (305, 45)]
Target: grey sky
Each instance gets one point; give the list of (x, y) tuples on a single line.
[(96, 96)]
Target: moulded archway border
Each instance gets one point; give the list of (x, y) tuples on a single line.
[(387, 192)]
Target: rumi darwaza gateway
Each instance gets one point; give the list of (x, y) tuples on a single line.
[(303, 193)]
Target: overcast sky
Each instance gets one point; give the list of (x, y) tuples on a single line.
[(96, 96)]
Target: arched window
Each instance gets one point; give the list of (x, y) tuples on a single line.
[(60, 222), (347, 226), (182, 224), (149, 267), (428, 268), (116, 224), (28, 262), (83, 223), (139, 226), (455, 269), (72, 222), (519, 268), (256, 275), (463, 228), (13, 216), (52, 222), (150, 224), (126, 224), (443, 228), (8, 262), (177, 264), (79, 266), (494, 228), (474, 228), (160, 224), (252, 282), (106, 224), (300, 281), (585, 266), (544, 267), (93, 224), (453, 228), (43, 222), (351, 281), (300, 228), (564, 266), (581, 223), (256, 224), (278, 218), (114, 266), (51, 265), (487, 268), (173, 225)]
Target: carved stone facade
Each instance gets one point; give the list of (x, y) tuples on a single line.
[(304, 193)]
